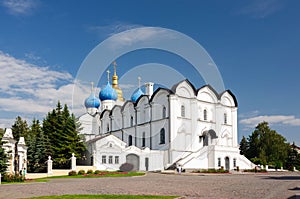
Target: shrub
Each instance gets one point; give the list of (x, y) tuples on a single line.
[(13, 178), (72, 173), (126, 167), (97, 172), (90, 171), (81, 172)]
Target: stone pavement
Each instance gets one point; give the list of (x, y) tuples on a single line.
[(270, 185)]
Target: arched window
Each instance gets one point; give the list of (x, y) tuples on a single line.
[(107, 128), (129, 140), (225, 118), (182, 111), (162, 136), (205, 114), (164, 112), (131, 121), (144, 140)]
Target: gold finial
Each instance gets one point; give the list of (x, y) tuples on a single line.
[(108, 75), (115, 67), (139, 79)]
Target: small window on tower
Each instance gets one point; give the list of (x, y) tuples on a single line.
[(205, 114), (182, 111), (225, 118), (164, 112)]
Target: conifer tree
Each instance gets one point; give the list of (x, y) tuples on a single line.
[(37, 152), (61, 128)]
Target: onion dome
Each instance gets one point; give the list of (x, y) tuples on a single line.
[(92, 101), (135, 96), (108, 93)]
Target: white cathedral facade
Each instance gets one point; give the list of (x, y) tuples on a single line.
[(163, 128)]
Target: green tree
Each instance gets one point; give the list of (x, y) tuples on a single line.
[(266, 146), (3, 155), (243, 146), (37, 152), (62, 130)]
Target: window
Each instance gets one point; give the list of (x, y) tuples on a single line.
[(234, 162), (182, 111), (219, 162), (104, 159), (131, 121), (205, 114), (225, 118), (107, 128), (144, 140), (162, 136), (164, 112), (116, 159), (129, 140), (110, 159)]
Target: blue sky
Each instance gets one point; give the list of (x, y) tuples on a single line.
[(255, 44)]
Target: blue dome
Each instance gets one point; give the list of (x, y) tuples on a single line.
[(108, 93), (135, 96), (92, 101)]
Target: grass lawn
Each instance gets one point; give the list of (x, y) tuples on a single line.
[(105, 197)]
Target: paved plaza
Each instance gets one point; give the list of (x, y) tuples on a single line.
[(270, 185)]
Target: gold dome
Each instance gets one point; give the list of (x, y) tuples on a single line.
[(115, 84)]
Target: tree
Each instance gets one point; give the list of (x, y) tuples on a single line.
[(62, 130), (37, 152), (266, 146), (20, 129), (243, 146), (3, 155)]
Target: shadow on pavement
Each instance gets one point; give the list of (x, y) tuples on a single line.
[(282, 177)]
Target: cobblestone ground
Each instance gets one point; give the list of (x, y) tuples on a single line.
[(271, 185)]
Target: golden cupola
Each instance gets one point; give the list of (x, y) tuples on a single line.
[(115, 84)]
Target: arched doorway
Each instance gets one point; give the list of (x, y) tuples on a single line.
[(134, 160), (227, 164)]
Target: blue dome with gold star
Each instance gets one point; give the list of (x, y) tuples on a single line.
[(92, 101), (108, 93)]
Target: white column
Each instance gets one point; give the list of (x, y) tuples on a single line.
[(49, 163), (73, 162), (94, 158)]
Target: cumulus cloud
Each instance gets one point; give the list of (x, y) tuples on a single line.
[(288, 120), (261, 9), (20, 7), (28, 89)]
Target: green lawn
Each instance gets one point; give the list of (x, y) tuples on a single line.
[(105, 197), (107, 174)]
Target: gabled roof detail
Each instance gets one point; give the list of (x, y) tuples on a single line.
[(103, 112), (114, 109), (159, 90), (232, 95), (187, 81)]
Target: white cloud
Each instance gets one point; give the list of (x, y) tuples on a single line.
[(20, 7), (261, 9), (288, 120), (111, 29), (31, 90), (134, 36)]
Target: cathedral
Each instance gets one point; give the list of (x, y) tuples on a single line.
[(162, 128)]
